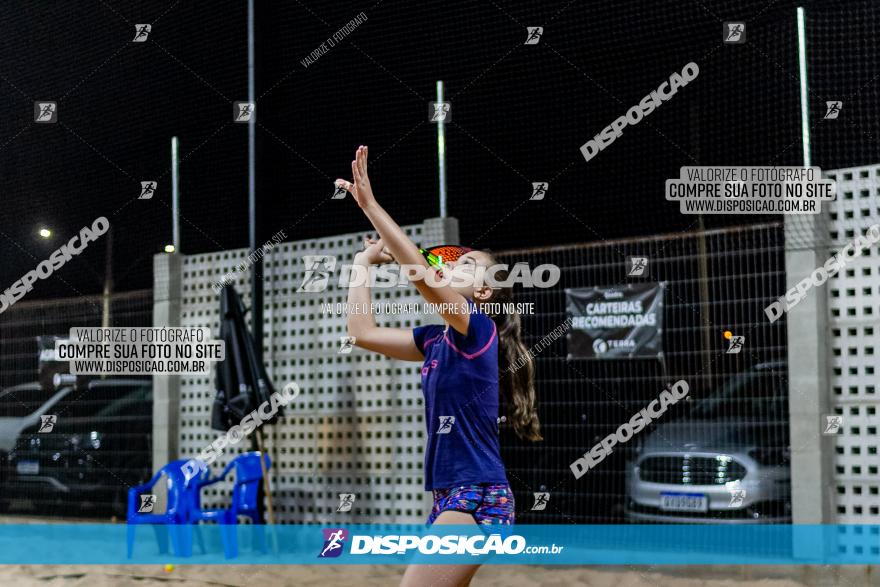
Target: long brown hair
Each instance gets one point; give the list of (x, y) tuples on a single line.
[(516, 368)]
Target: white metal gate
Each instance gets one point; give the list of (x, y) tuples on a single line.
[(356, 426), (854, 322)]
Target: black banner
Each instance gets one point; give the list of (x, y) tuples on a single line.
[(615, 322)]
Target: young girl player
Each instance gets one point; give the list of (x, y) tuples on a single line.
[(465, 376)]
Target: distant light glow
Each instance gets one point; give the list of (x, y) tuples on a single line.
[(169, 248), (45, 232)]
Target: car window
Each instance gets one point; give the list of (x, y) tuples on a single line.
[(136, 402), (21, 401), (753, 395), (99, 397)]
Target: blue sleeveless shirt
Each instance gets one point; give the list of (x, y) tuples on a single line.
[(460, 387)]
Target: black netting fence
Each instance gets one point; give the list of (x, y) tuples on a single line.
[(70, 446), (735, 421), (520, 113)]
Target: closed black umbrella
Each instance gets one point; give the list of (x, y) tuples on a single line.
[(242, 383)]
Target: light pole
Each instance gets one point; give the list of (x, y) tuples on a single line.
[(46, 234)]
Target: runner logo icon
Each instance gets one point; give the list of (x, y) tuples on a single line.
[(446, 423), (334, 542)]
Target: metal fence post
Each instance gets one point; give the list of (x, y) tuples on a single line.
[(440, 231), (812, 472), (167, 278)]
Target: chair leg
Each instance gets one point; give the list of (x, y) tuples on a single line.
[(185, 538), (229, 532), (176, 539), (161, 533), (199, 537), (258, 533), (129, 540)]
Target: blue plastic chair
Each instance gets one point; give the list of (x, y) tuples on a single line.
[(181, 500), (245, 501)]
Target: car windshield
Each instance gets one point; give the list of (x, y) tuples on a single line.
[(18, 402), (135, 402), (102, 398), (752, 395)]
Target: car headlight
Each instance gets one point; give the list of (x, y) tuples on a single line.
[(95, 439)]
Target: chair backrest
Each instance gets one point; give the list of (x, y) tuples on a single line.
[(180, 498), (177, 482), (194, 486), (248, 475)]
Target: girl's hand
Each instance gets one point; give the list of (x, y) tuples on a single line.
[(360, 188), (374, 253)]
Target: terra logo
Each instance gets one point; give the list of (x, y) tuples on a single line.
[(334, 542)]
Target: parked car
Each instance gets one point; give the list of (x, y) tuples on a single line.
[(727, 461), (97, 445)]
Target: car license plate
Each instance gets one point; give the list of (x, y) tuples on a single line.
[(684, 502), (28, 467)]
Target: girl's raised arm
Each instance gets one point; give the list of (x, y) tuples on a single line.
[(453, 305), (396, 343)]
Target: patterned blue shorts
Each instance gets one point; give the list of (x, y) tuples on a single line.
[(488, 504)]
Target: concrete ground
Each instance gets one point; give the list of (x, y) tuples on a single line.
[(494, 576), (376, 575)]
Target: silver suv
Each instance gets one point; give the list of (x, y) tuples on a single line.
[(726, 462)]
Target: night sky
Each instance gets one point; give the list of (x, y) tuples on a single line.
[(519, 114)]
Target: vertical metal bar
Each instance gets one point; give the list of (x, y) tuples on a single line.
[(813, 476), (257, 266), (108, 283), (175, 196), (802, 67), (703, 263), (441, 153)]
